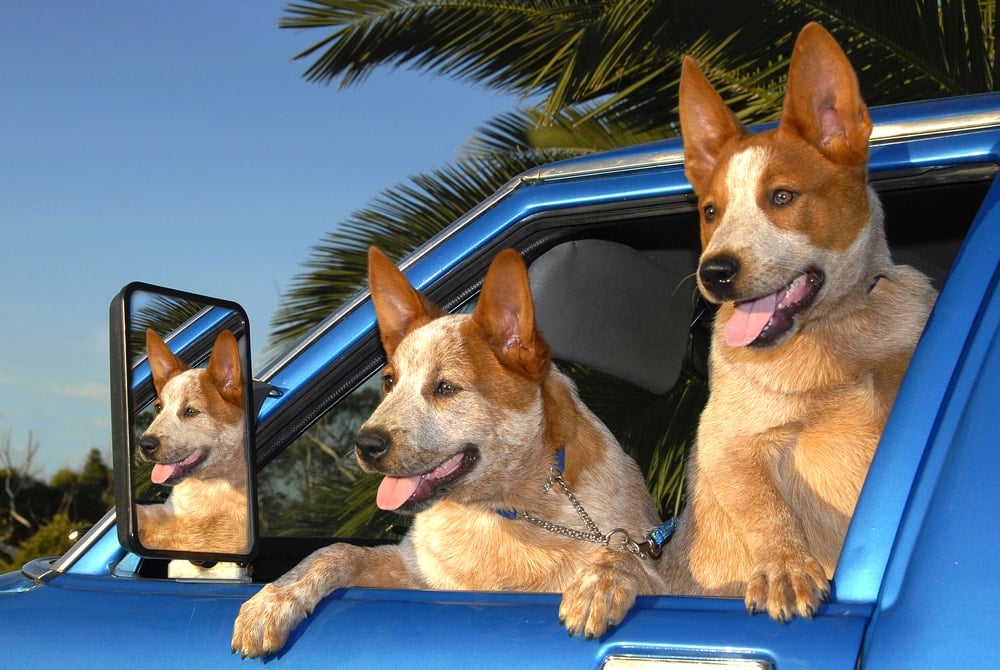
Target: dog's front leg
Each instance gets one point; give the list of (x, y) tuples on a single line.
[(264, 621), (786, 578), (603, 592)]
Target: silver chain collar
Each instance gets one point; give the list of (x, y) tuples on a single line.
[(618, 539)]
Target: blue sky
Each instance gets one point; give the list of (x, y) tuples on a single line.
[(174, 143)]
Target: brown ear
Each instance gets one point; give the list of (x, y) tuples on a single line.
[(162, 363), (823, 102), (506, 313), (706, 124), (225, 368), (399, 308)]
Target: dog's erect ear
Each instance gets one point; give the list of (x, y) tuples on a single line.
[(399, 308), (823, 101), (707, 124), (225, 368), (162, 363), (506, 313)]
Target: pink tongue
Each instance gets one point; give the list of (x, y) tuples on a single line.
[(394, 491), (163, 471), (746, 324)]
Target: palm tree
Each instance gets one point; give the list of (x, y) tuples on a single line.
[(604, 74), (595, 75)]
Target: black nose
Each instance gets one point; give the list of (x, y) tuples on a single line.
[(148, 444), (370, 445), (717, 273)]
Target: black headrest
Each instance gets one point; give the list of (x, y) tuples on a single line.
[(609, 307)]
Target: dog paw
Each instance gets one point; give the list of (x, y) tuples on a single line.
[(787, 587), (264, 621), (600, 598)]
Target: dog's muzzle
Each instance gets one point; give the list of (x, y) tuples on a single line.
[(758, 320)]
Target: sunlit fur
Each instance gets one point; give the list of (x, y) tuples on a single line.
[(199, 409), (518, 411), (789, 431)]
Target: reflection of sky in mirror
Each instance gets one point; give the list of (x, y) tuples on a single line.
[(143, 145), (141, 300)]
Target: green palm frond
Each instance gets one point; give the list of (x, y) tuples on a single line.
[(397, 221), (163, 314), (915, 49), (537, 138), (625, 55), (501, 45)]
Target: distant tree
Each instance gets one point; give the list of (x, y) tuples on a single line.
[(88, 494), (52, 539), (23, 501), (36, 518)]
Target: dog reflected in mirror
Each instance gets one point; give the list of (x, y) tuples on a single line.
[(197, 445)]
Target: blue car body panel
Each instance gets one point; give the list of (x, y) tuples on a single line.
[(189, 625), (914, 585), (939, 586)]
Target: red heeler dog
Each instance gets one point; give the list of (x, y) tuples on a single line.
[(814, 331), (483, 440)]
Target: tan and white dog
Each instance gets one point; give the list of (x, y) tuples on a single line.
[(473, 420), (815, 329), (197, 444)]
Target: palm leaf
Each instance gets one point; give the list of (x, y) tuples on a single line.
[(625, 55), (398, 221), (163, 314)]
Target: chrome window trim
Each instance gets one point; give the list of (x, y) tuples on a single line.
[(882, 134), (43, 570)]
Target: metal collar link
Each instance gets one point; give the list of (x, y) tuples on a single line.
[(619, 538)]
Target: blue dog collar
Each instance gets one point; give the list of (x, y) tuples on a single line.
[(660, 535)]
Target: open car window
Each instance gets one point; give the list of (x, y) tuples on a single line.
[(315, 487)]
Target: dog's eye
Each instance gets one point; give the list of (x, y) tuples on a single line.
[(709, 212), (445, 388), (157, 407), (387, 383), (190, 411), (782, 197)]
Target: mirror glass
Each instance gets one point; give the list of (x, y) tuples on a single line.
[(182, 412)]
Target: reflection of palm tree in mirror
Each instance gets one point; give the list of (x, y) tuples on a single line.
[(162, 314), (196, 444)]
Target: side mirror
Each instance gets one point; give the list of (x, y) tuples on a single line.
[(183, 425)]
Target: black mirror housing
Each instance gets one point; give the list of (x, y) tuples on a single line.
[(183, 421)]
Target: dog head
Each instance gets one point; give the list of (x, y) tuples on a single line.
[(787, 220), (461, 393), (198, 426)]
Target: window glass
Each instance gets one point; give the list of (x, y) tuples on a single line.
[(315, 487)]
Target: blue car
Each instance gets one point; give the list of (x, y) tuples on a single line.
[(914, 586)]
